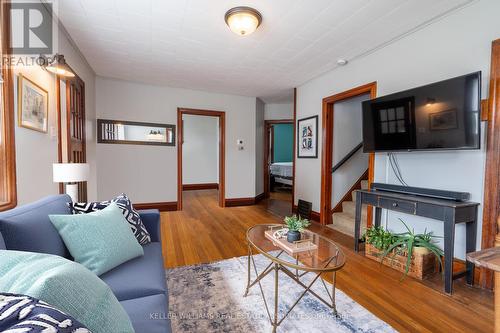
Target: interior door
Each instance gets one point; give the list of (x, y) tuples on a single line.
[(75, 125)]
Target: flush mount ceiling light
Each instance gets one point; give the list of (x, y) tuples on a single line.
[(243, 20)]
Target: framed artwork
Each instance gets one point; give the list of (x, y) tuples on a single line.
[(307, 132), (443, 120), (32, 105)]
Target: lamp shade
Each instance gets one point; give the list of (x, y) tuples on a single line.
[(70, 172), (59, 66)]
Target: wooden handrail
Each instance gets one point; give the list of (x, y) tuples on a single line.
[(347, 157)]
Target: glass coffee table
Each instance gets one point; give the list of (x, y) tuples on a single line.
[(326, 258)]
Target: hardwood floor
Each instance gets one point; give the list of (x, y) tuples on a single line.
[(204, 232)]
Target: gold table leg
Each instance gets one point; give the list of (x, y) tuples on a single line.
[(276, 280), (248, 281)]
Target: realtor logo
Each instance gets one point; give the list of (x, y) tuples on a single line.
[(31, 25)]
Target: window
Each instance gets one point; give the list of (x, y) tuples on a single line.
[(8, 198)]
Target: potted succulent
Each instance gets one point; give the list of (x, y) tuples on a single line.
[(295, 225)]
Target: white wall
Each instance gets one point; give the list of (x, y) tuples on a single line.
[(35, 151), (149, 173), (275, 111), (459, 43), (259, 146), (200, 153), (347, 134)]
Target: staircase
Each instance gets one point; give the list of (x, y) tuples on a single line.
[(344, 221)]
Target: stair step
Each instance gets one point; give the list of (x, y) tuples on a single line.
[(349, 207), (344, 223)]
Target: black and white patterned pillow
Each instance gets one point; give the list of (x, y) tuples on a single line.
[(20, 313), (131, 215)]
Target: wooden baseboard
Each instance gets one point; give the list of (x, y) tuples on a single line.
[(161, 206), (315, 216), (234, 202), (205, 186)]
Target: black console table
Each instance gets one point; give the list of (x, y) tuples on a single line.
[(449, 211)]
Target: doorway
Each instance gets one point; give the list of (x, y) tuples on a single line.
[(189, 164), (278, 165), (328, 147), (70, 99)]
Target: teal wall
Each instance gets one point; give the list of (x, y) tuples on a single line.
[(283, 142)]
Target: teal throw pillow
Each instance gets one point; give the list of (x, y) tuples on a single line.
[(65, 285), (99, 240)]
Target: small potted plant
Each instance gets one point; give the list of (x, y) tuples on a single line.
[(295, 225)]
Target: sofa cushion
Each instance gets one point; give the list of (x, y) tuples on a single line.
[(2, 243), (28, 228), (138, 277), (148, 314), (66, 285), (20, 313), (99, 240), (131, 215)]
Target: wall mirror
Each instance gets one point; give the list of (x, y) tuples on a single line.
[(135, 133)]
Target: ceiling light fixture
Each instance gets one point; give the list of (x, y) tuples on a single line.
[(243, 20), (57, 65)]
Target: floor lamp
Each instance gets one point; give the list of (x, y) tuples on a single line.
[(71, 174)]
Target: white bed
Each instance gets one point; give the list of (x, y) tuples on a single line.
[(282, 172)]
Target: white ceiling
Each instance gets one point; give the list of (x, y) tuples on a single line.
[(185, 43)]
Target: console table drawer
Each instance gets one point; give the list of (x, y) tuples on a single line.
[(403, 206)]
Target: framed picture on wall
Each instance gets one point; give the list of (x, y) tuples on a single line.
[(32, 105), (307, 141)]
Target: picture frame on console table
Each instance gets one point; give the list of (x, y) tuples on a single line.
[(307, 137)]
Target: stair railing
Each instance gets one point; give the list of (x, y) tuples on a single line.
[(347, 157)]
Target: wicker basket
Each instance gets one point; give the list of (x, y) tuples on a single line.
[(422, 264)]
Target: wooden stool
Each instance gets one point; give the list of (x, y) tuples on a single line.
[(490, 258)]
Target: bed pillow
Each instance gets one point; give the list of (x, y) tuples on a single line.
[(99, 240), (21, 313), (66, 285), (131, 215)]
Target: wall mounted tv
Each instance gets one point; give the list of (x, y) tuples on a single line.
[(440, 116)]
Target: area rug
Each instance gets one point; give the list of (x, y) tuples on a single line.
[(209, 298)]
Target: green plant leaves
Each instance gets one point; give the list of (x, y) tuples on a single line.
[(296, 223), (405, 242)]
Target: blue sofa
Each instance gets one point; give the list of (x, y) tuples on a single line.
[(139, 284)]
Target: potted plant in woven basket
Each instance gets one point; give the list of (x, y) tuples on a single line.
[(295, 225), (411, 253)]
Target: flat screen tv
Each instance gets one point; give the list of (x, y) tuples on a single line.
[(440, 116)]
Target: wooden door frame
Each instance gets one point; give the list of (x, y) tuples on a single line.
[(295, 150), (222, 150), (9, 184), (59, 123), (327, 149), (491, 206), (267, 127)]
